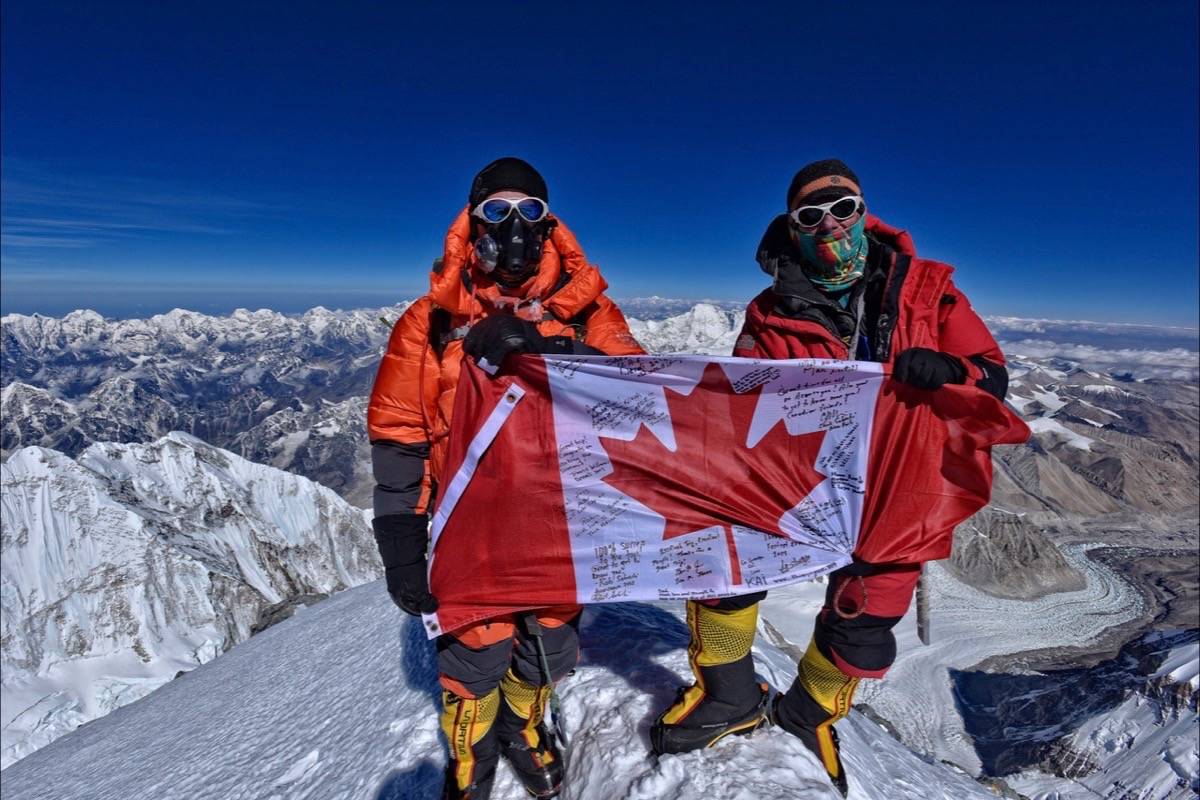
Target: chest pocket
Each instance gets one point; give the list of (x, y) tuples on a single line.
[(923, 301)]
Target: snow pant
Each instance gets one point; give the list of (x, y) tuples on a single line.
[(492, 663)]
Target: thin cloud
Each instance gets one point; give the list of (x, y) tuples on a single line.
[(1177, 363), (43, 225), (34, 239), (1032, 325), (34, 271), (47, 208)]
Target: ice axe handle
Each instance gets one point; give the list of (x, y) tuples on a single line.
[(924, 624), (533, 629)]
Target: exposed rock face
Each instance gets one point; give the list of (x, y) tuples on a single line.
[(285, 609), (325, 440), (1091, 723), (134, 562), (29, 414), (1101, 445), (1005, 555)]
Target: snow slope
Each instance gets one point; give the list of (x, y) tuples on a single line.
[(135, 562), (1182, 666), (340, 701), (1134, 747)]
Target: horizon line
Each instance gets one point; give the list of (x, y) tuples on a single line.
[(693, 301)]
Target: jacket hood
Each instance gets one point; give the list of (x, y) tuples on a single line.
[(461, 287), (895, 238)]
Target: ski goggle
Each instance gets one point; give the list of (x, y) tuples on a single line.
[(811, 216), (498, 209)]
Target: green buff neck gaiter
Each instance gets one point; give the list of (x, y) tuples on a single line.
[(834, 260)]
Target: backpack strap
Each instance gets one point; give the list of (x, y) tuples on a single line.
[(440, 331)]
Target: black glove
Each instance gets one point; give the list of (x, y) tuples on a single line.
[(492, 339), (928, 369), (403, 540)]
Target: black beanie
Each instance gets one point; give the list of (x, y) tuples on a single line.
[(507, 174), (829, 168)]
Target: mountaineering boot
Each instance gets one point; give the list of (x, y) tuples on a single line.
[(523, 738), (476, 790), (725, 698), (819, 697), (469, 725)]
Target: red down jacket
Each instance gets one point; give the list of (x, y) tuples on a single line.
[(921, 307)]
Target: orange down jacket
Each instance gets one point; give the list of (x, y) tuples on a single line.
[(413, 395)]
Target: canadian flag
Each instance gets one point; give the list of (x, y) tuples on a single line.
[(599, 479)]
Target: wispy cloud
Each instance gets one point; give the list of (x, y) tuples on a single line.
[(1178, 363), (1000, 324), (40, 225), (26, 271), (53, 207), (33, 238), (1101, 337)]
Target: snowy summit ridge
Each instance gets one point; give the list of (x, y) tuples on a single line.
[(340, 702)]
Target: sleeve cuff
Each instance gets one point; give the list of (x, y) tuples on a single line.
[(974, 373)]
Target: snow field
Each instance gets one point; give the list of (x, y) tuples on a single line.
[(1055, 428)]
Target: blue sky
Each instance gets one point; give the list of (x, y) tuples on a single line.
[(287, 155)]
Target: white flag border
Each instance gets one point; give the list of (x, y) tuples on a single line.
[(458, 484)]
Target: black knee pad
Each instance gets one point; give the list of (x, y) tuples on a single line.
[(562, 652), (865, 641), (479, 671)]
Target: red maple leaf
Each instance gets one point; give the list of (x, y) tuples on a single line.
[(712, 478)]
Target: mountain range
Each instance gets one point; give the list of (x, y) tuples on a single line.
[(290, 391)]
